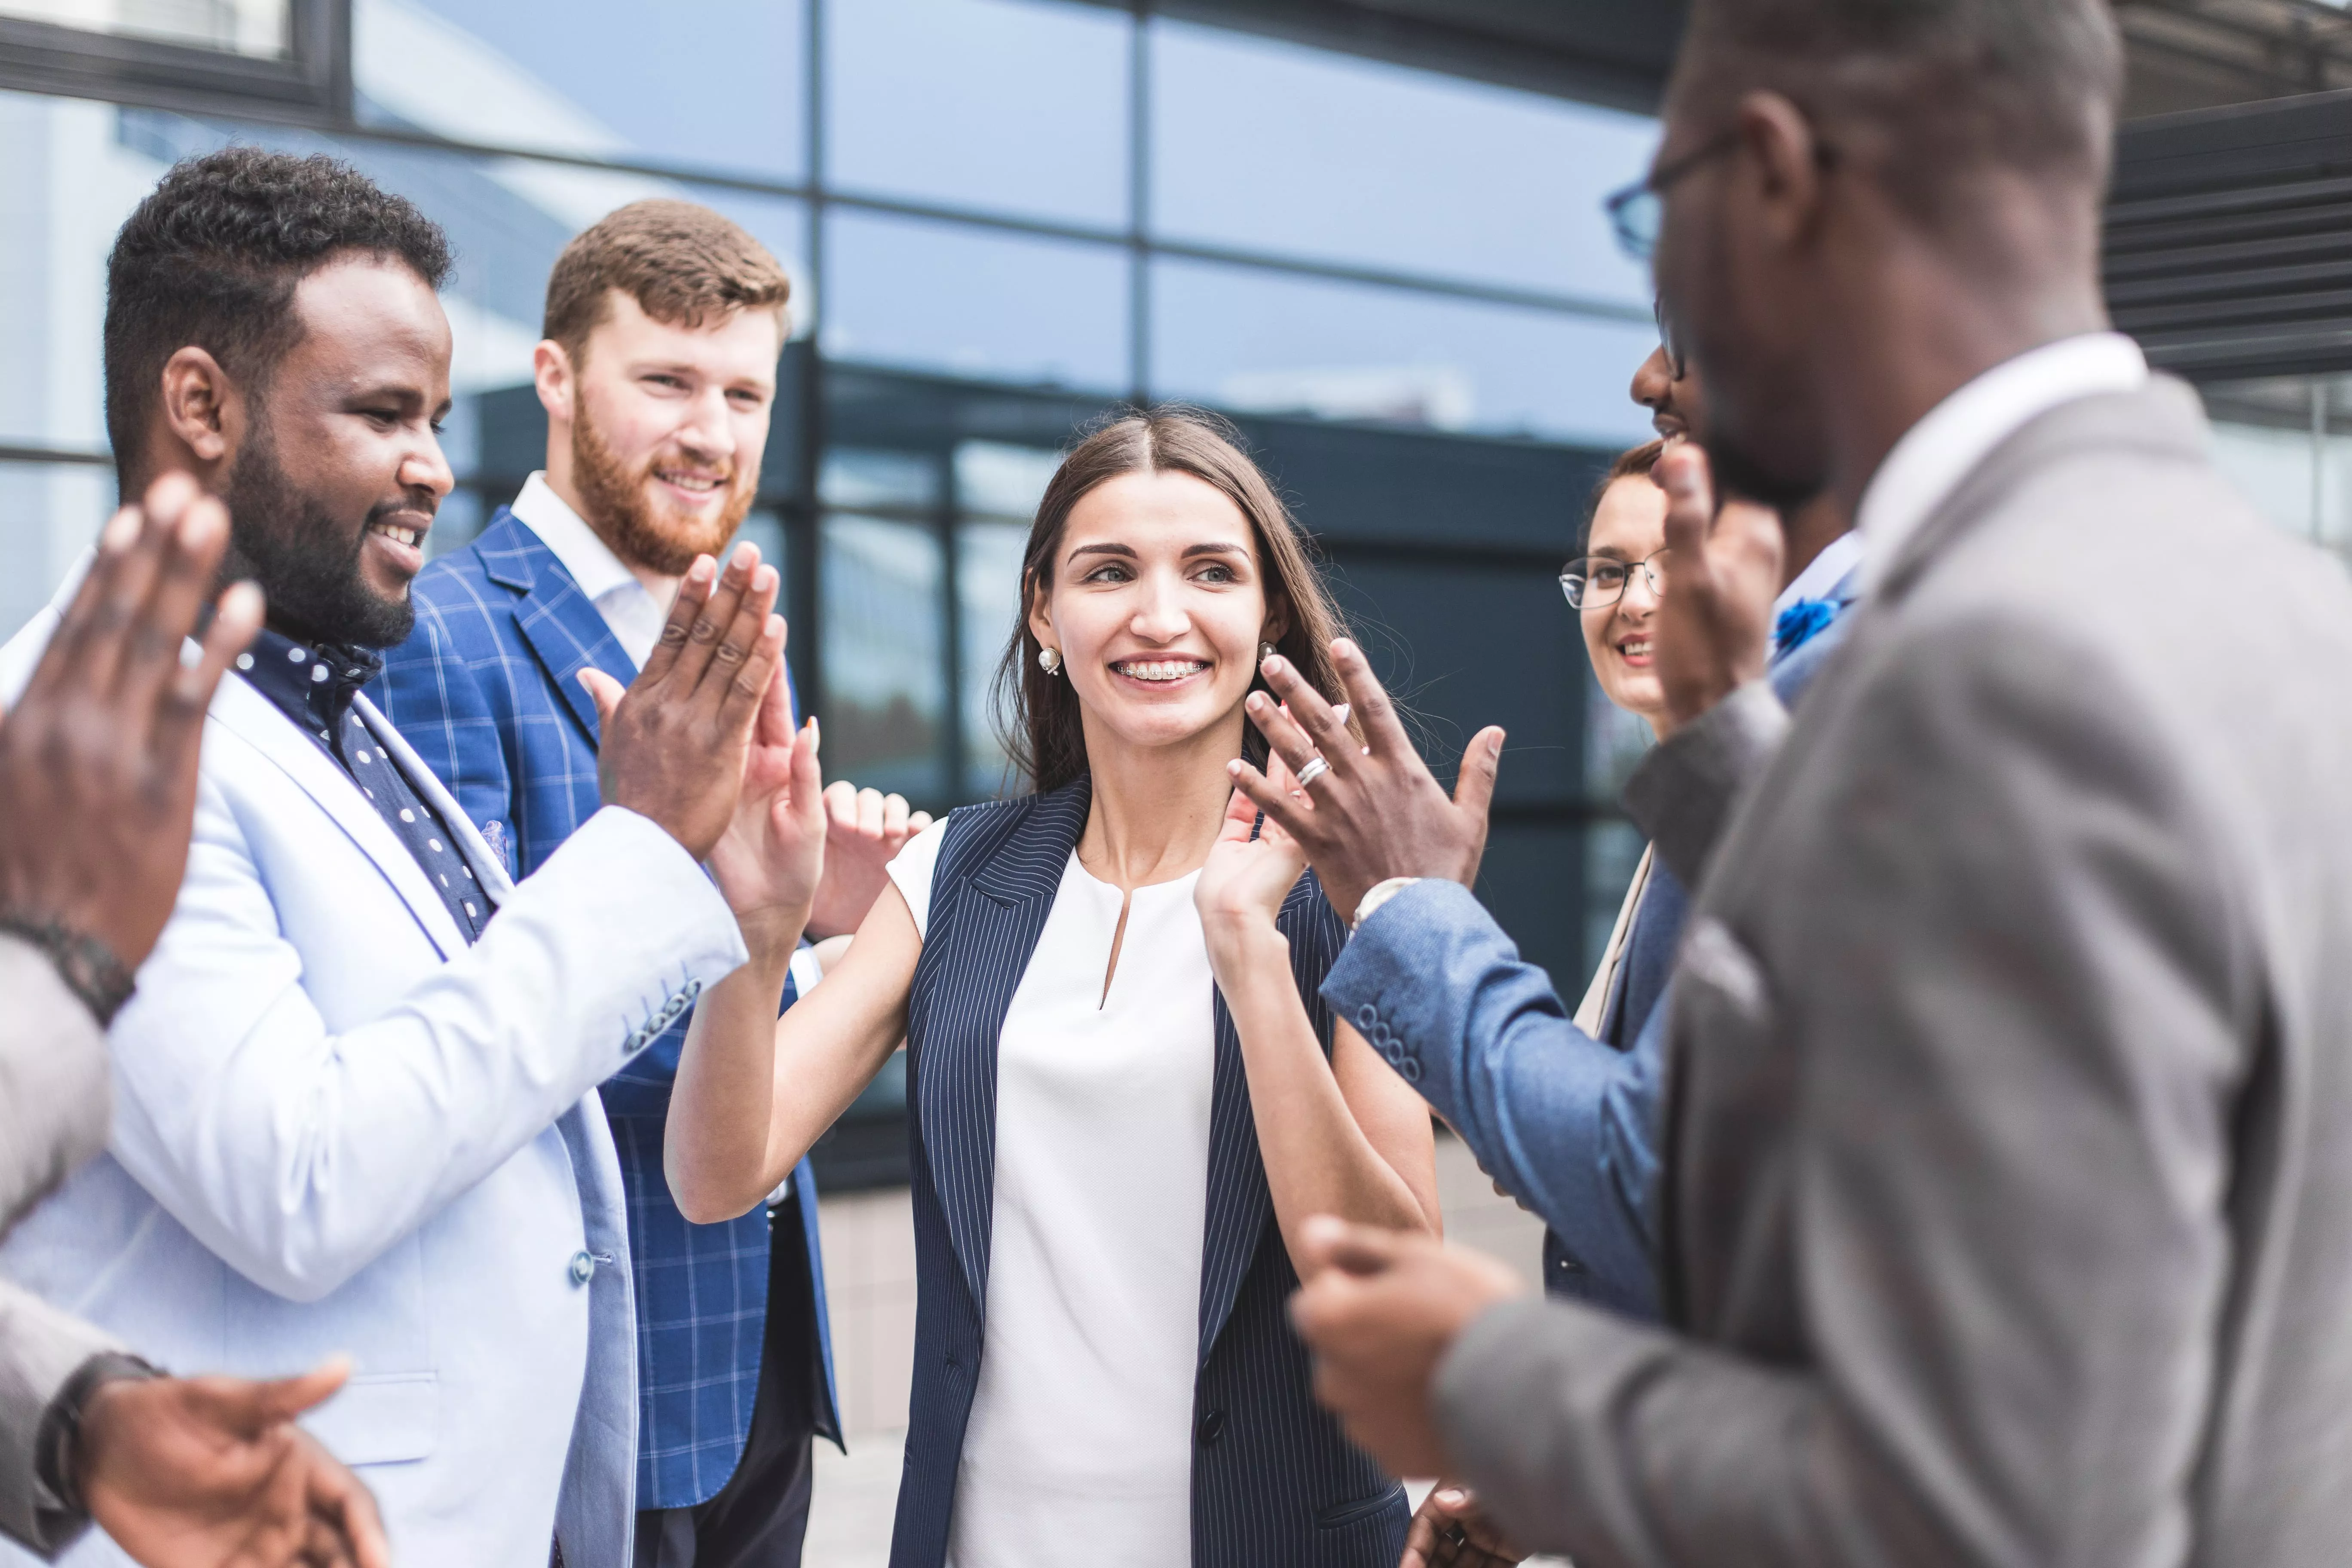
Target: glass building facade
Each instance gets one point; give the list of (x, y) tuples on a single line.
[(1004, 218)]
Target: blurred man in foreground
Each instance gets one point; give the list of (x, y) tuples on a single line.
[(2010, 1134), (98, 785), (356, 1101)]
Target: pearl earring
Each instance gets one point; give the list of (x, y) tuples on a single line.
[(1049, 659), (1264, 651)]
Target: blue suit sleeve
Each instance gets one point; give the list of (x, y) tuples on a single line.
[(1560, 1119)]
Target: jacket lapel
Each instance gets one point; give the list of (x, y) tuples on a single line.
[(561, 624), (241, 709), (997, 919)]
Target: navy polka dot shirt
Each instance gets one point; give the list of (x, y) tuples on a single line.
[(313, 684)]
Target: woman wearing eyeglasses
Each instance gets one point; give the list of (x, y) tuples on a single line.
[(1613, 587)]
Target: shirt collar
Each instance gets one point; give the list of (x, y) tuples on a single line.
[(1935, 455), (1824, 571), (313, 684), (579, 547)]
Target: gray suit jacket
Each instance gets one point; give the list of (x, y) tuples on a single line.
[(2008, 1204), (53, 1116)]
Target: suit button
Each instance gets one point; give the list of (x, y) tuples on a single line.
[(1212, 1426), (1409, 1070), (583, 1269), (1367, 1018), (1393, 1052)]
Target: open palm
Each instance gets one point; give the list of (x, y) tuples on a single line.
[(771, 856), (1254, 864)]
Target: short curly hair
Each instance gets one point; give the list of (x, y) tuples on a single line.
[(212, 257)]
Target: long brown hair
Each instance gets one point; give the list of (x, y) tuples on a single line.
[(1038, 712)]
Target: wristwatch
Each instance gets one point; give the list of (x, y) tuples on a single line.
[(1381, 892), (87, 966), (57, 1446)]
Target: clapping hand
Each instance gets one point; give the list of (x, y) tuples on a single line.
[(211, 1472), (1380, 1310), (1715, 619), (1252, 867), (673, 745), (1449, 1531), (98, 763), (1373, 811), (865, 829), (770, 861)]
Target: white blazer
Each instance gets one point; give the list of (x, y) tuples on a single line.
[(338, 1129)]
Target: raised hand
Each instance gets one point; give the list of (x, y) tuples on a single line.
[(1380, 1310), (1377, 811), (1714, 618), (768, 861), (676, 743), (1246, 878), (211, 1472), (865, 830), (98, 763)]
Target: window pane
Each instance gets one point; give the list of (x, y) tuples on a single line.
[(971, 303), (996, 104), (884, 697), (999, 481), (1273, 147), (896, 481), (66, 187), (2286, 443), (1267, 342), (257, 29), (987, 600), (716, 85), (50, 512)]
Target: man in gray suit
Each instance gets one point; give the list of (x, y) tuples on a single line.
[(2008, 1148), (98, 783)]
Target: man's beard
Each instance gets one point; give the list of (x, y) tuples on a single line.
[(642, 533), (307, 563)]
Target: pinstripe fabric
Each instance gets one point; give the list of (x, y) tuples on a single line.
[(487, 689), (1275, 1484)]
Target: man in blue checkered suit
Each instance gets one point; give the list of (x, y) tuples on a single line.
[(665, 324)]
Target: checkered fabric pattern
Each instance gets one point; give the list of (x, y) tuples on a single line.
[(487, 689)]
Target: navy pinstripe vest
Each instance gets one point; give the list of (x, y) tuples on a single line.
[(1275, 1484)]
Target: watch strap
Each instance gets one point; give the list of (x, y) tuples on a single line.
[(86, 964)]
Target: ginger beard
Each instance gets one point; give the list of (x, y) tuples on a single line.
[(623, 504)]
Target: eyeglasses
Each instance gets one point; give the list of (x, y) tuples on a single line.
[(1597, 582), (1639, 211)]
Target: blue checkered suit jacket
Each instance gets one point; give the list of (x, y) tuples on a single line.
[(487, 689)]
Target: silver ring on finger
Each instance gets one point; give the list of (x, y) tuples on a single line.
[(1314, 769)]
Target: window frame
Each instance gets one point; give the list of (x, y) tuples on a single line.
[(312, 88)]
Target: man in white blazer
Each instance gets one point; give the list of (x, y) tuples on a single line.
[(98, 792), (354, 1112)]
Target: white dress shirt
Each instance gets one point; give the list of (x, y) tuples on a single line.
[(1079, 1447), (1938, 452), (633, 615)]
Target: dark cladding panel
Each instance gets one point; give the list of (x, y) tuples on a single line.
[(1463, 644), (2229, 238), (1357, 484)]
